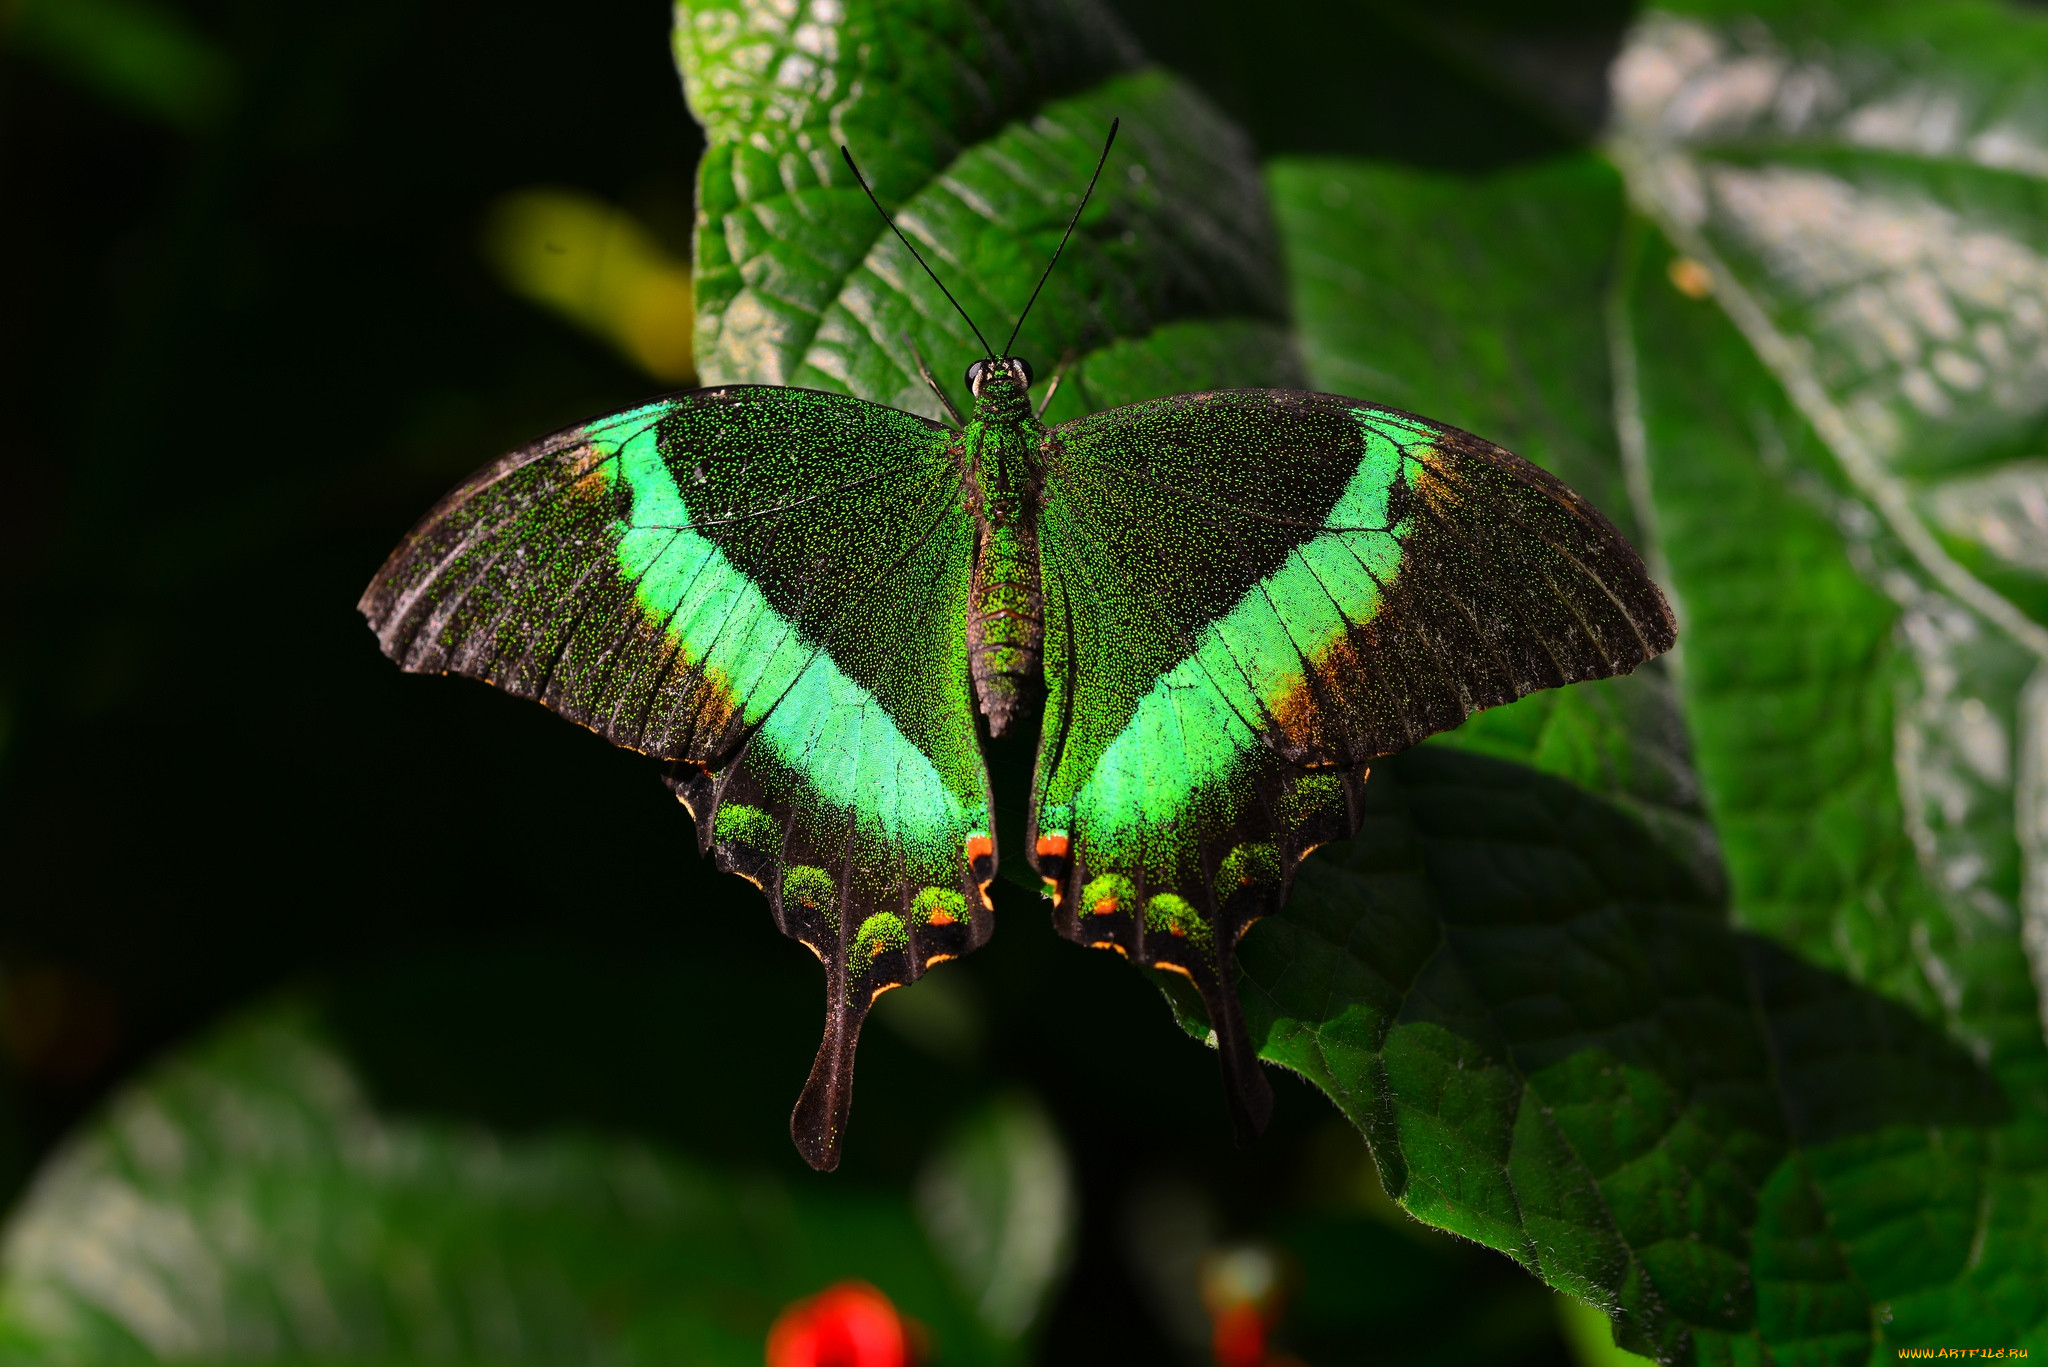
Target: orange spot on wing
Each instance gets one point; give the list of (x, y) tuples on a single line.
[(1105, 907), (980, 847), (938, 959), (1053, 846), (940, 918)]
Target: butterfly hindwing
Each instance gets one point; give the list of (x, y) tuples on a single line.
[(765, 587), (1249, 596)]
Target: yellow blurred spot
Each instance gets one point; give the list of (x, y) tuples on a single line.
[(1690, 278), (1590, 1335), (594, 264)]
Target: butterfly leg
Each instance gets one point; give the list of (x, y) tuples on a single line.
[(945, 400), (1052, 386)]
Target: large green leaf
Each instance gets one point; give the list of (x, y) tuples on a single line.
[(1815, 1135), (1820, 1131), (1872, 221), (1497, 287), (1558, 1046), (1836, 448), (245, 1202), (978, 126)]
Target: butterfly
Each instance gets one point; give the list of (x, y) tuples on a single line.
[(1218, 609)]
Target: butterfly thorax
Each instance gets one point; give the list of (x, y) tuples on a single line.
[(1005, 607)]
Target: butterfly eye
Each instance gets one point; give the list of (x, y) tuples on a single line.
[(1023, 369), (974, 374)]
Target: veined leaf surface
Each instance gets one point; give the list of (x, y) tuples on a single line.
[(977, 127), (1814, 389)]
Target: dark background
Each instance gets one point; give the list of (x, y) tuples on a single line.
[(246, 338)]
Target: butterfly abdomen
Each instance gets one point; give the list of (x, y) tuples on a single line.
[(1005, 605), (1006, 624)]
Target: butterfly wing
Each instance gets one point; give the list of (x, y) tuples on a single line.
[(765, 587), (1249, 596)]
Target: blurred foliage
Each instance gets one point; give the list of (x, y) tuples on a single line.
[(599, 268), (1702, 994), (244, 1201), (998, 1202), (144, 56), (1592, 1336)]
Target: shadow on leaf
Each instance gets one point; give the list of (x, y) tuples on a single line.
[(1558, 1046)]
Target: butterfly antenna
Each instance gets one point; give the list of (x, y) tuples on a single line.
[(847, 152), (1102, 161)]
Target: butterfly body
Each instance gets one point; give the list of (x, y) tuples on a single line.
[(1006, 614)]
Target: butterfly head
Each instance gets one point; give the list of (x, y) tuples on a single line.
[(1005, 371), (1004, 376)]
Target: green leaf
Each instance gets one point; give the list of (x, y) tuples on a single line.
[(1558, 1047), (1591, 1336), (1478, 302), (1815, 393), (141, 55), (1871, 223), (244, 1201), (1835, 445), (999, 1203), (978, 127)]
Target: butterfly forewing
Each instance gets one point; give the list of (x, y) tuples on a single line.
[(1249, 596), (767, 588)]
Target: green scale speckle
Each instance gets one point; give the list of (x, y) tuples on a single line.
[(1171, 914), (879, 934), (748, 827), (1107, 895)]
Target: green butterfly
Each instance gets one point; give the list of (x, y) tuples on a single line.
[(1219, 608)]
